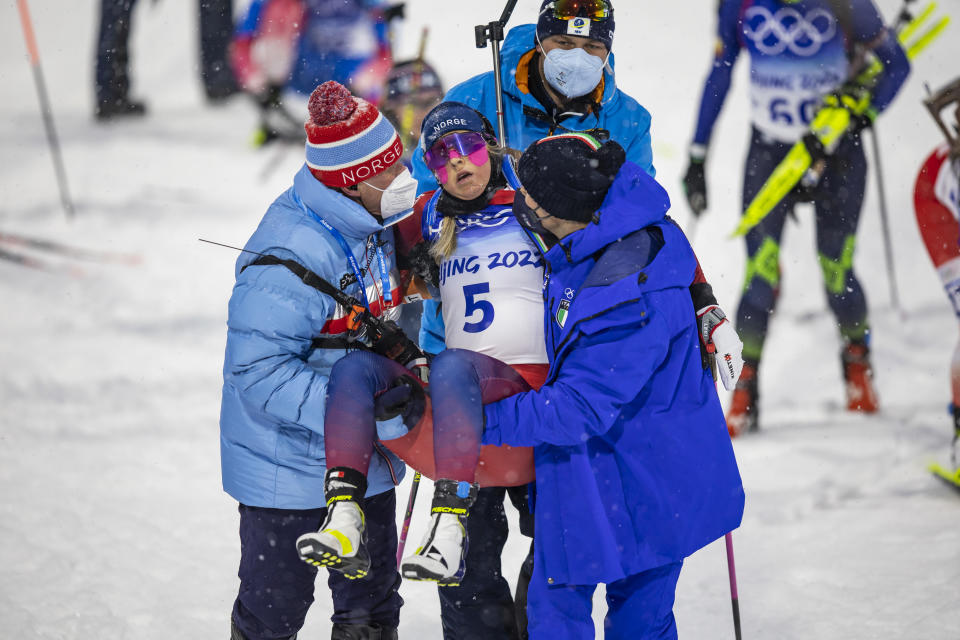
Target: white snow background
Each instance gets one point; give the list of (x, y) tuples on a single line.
[(112, 520)]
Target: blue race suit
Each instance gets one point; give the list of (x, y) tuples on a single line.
[(337, 40), (798, 52)]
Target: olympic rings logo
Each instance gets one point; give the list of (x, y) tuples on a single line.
[(788, 29)]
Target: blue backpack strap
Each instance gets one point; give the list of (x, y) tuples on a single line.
[(429, 222)]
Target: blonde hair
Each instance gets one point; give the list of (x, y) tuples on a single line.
[(446, 241)]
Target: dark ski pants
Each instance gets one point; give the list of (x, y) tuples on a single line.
[(639, 607), (112, 79), (112, 76), (837, 200), (216, 30), (482, 607), (276, 587)]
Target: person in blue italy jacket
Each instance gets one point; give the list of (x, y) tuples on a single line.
[(801, 51), (634, 467), (283, 338)]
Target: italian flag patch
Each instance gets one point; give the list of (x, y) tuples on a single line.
[(562, 310)]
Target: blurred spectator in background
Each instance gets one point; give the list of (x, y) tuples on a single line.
[(936, 201), (412, 89), (216, 30), (294, 45), (112, 78)]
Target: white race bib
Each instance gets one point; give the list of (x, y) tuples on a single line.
[(491, 288)]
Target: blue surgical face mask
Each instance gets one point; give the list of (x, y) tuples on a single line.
[(573, 72)]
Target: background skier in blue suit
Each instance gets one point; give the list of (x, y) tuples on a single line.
[(285, 48), (800, 50)]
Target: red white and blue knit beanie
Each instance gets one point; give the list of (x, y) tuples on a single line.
[(348, 140)]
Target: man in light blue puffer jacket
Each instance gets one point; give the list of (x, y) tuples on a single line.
[(283, 338)]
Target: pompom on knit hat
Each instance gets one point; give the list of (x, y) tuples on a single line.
[(348, 139), (569, 175), (549, 25)]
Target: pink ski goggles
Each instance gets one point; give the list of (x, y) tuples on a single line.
[(470, 145)]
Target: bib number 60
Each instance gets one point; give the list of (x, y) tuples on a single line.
[(781, 111)]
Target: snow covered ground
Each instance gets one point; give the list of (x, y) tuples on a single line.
[(112, 520)]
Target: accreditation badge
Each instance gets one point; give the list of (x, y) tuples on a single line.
[(578, 27)]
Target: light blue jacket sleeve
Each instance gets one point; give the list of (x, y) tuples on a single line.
[(273, 318)]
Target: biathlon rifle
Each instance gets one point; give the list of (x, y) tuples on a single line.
[(806, 160), (493, 33)]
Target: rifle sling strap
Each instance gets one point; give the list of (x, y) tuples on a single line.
[(311, 279), (308, 277)]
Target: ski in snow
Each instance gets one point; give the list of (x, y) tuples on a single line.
[(952, 478), (69, 251), (32, 262)]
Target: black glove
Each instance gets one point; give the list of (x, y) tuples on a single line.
[(424, 266), (405, 397), (860, 122), (695, 185), (856, 100), (391, 342)]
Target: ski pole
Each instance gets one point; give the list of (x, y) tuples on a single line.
[(734, 598), (884, 219), (493, 33), (45, 110), (406, 518)]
